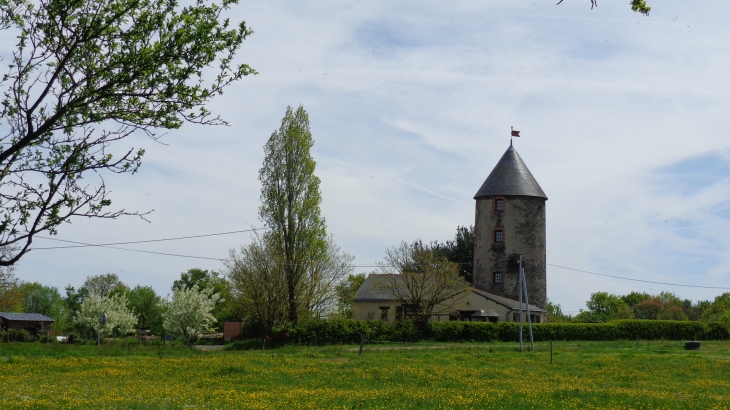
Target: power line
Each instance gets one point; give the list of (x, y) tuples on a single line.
[(135, 250), (86, 245), (639, 280), (111, 246)]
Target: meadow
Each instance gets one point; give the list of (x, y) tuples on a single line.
[(583, 375)]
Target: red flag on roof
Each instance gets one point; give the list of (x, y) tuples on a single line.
[(515, 133)]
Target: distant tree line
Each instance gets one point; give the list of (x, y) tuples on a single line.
[(602, 307), (198, 295)]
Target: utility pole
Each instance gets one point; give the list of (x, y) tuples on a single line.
[(520, 300), (523, 288), (527, 302), (102, 322)]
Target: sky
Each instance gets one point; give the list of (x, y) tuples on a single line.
[(623, 122)]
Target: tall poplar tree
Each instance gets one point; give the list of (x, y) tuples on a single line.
[(290, 201)]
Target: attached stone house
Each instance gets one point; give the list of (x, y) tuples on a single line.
[(373, 301)]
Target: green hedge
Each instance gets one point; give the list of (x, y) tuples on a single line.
[(615, 330), (327, 332)]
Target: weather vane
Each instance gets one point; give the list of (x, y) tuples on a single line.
[(515, 133)]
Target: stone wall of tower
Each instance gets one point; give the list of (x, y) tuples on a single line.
[(523, 224)]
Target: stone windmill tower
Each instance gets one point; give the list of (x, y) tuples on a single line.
[(510, 221)]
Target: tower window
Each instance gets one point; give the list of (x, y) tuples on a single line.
[(498, 236), (497, 278), (499, 205)]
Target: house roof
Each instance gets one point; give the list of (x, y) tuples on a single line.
[(374, 290), (507, 302), (25, 317), (510, 177)]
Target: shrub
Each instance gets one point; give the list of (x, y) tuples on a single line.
[(718, 330), (402, 331), (575, 331), (19, 335), (464, 331), (47, 339), (661, 329), (72, 338), (245, 344), (447, 331), (480, 332), (252, 330)]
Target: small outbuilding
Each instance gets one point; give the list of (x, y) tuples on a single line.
[(232, 330), (31, 322)]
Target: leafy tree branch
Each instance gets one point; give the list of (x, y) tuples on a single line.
[(86, 74), (638, 6)]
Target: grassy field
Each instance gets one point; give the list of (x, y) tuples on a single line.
[(584, 375)]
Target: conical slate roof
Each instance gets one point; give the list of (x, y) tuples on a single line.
[(510, 177)]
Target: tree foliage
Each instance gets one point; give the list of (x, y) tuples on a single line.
[(605, 304), (717, 309), (634, 298), (665, 306), (147, 306), (317, 292), (422, 279), (290, 201), (74, 297), (203, 278), (10, 295), (346, 293), (603, 307), (86, 74), (38, 298), (218, 283), (639, 305), (102, 285), (190, 312), (555, 313), (460, 250), (638, 6), (259, 282), (120, 319)]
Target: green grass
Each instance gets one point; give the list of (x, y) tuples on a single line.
[(115, 348), (600, 375)]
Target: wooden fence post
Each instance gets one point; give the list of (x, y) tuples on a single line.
[(551, 352), (362, 342)]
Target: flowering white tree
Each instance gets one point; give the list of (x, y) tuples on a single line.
[(190, 311), (119, 318)]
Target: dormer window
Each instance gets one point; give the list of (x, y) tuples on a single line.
[(499, 205), (498, 236)]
